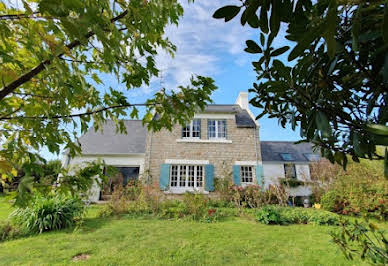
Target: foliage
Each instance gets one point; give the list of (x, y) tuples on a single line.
[(287, 215), (52, 212), (9, 231), (361, 190), (75, 181), (292, 182), (362, 239), (269, 215), (335, 88), (54, 56)]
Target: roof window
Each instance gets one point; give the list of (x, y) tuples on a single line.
[(287, 156)]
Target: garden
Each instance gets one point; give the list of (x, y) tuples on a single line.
[(241, 225)]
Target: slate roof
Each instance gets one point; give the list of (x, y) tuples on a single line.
[(271, 150), (108, 141)]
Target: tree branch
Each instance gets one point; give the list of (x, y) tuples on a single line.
[(76, 115), (39, 68)]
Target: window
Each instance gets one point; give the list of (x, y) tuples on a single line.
[(186, 176), (289, 170), (192, 130), (216, 129), (246, 174), (286, 156), (312, 157)]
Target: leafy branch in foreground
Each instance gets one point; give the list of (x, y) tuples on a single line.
[(335, 87), (364, 240), (56, 58)]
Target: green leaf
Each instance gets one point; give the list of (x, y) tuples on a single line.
[(134, 113), (262, 39), (263, 20), (253, 47), (331, 24), (227, 12), (323, 124), (280, 51), (253, 21), (377, 129), (385, 23), (356, 26), (275, 18)]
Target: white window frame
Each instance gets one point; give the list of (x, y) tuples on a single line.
[(216, 128), (244, 174), (185, 188), (191, 130)]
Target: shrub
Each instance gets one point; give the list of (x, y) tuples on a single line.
[(360, 190), (270, 215), (9, 231), (49, 213), (287, 215), (196, 205), (292, 182), (249, 196)]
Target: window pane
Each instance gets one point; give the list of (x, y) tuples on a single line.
[(199, 176), (174, 176), (221, 129), (196, 128), (190, 179), (211, 128), (182, 172), (312, 156), (246, 174), (289, 170), (186, 131), (287, 156)]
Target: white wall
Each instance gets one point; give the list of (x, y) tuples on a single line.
[(275, 170), (135, 160)]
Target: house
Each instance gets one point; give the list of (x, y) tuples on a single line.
[(221, 141)]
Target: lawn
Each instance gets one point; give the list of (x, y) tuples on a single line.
[(148, 241)]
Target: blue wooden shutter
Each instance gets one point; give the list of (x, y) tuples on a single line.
[(164, 180), (259, 175), (236, 175), (209, 177)]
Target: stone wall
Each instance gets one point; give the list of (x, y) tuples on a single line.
[(164, 145)]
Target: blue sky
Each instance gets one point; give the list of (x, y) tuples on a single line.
[(209, 47)]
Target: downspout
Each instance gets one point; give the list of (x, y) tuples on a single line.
[(149, 158)]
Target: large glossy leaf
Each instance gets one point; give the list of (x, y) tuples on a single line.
[(280, 51), (323, 124), (263, 20), (378, 129), (253, 47), (385, 23), (227, 12)]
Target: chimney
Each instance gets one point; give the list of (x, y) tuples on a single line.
[(242, 101)]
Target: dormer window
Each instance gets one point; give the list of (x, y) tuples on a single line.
[(216, 129), (192, 129)]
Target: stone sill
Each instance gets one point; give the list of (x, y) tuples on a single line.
[(193, 140), (183, 191)]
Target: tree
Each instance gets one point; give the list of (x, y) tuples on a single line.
[(335, 87), (52, 56)]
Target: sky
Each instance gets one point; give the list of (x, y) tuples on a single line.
[(210, 47)]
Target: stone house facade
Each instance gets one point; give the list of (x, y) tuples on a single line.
[(222, 141)]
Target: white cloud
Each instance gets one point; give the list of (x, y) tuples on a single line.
[(203, 43)]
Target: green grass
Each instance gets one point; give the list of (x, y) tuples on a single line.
[(149, 241), (5, 207)]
